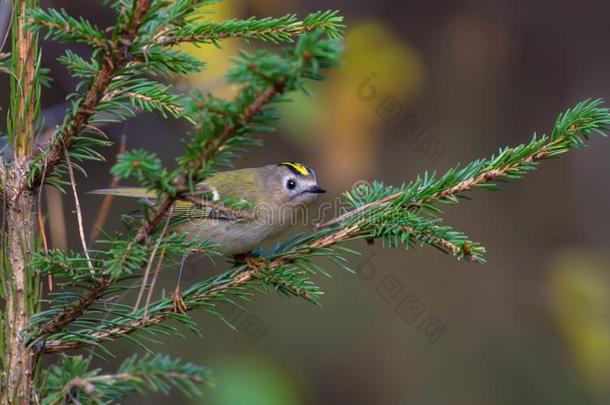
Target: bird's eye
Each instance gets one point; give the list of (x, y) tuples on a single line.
[(291, 184)]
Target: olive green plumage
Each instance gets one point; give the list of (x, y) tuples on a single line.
[(279, 195)]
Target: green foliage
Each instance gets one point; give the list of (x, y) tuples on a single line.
[(64, 28), (72, 380), (94, 308), (137, 63), (80, 312), (274, 30)]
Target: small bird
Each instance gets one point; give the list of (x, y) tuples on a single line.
[(278, 193)]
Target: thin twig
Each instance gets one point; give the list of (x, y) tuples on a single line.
[(79, 215), (43, 233), (151, 259), (153, 282)]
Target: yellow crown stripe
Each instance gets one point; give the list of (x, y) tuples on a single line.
[(298, 167)]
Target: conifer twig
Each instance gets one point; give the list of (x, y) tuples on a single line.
[(112, 62)]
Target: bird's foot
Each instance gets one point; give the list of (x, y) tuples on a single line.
[(179, 304), (253, 262)]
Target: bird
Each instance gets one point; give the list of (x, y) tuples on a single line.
[(278, 194)]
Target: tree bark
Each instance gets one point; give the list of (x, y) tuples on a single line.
[(20, 284), (21, 292)]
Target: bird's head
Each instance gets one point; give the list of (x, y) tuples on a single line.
[(291, 184)]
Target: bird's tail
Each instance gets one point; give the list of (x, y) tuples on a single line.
[(133, 192)]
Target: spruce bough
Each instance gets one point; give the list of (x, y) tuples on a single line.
[(113, 87)]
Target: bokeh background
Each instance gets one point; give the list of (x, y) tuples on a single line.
[(424, 85)]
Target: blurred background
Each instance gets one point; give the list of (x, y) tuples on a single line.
[(424, 85)]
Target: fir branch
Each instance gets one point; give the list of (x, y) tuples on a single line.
[(286, 273), (86, 108), (73, 381), (159, 311), (64, 28), (572, 128), (122, 258), (146, 94), (69, 314), (369, 219), (282, 29)]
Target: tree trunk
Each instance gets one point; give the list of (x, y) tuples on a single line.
[(21, 293), (20, 283)]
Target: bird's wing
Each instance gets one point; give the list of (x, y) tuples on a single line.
[(234, 185), (243, 184)]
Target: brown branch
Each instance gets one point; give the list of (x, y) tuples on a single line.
[(115, 58), (55, 346), (69, 314), (444, 244)]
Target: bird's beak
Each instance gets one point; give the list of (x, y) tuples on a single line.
[(316, 190)]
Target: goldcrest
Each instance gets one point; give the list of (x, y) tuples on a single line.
[(279, 195)]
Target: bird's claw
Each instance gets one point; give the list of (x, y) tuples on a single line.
[(254, 263), (179, 304)]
